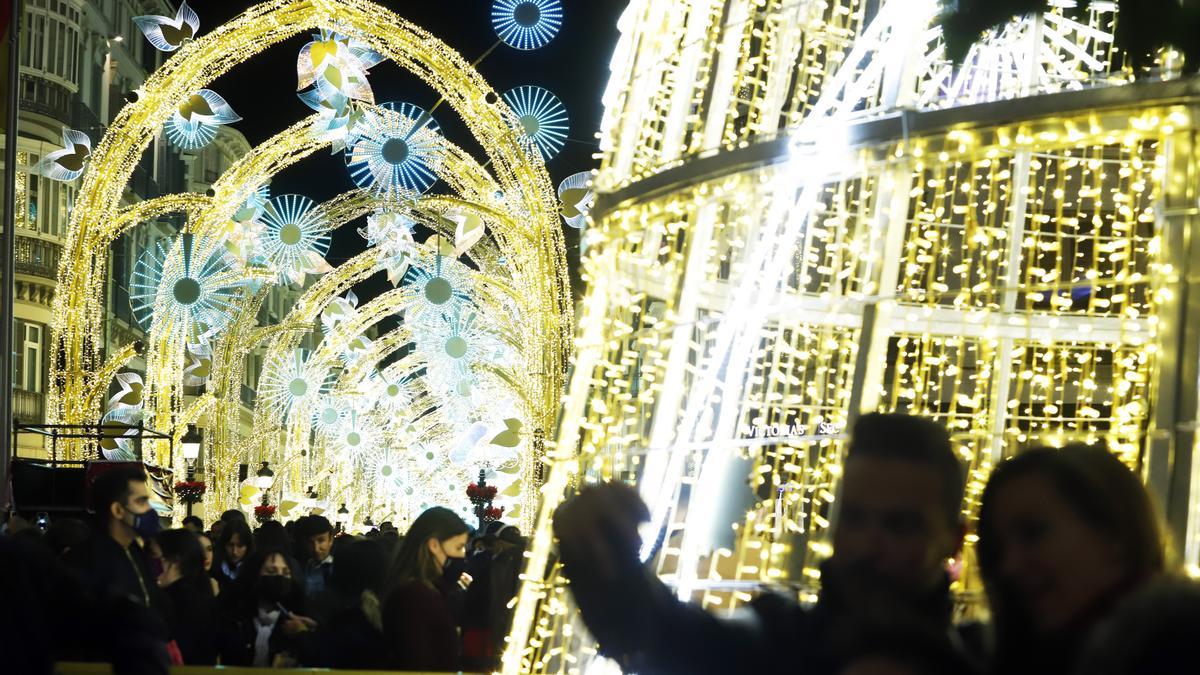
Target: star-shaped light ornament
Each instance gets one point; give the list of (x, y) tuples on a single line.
[(167, 34), (68, 163), (195, 122)]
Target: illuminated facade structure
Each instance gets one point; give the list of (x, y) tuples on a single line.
[(805, 213), (75, 73)]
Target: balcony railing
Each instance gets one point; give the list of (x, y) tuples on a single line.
[(37, 257), (28, 407)]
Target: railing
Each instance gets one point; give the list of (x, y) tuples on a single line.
[(28, 407), (106, 669), (45, 98), (37, 257)]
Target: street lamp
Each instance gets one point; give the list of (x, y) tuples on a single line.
[(343, 517), (191, 448), (265, 477)]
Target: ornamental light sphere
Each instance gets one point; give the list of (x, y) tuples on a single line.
[(527, 24), (542, 118), (188, 290), (396, 152)]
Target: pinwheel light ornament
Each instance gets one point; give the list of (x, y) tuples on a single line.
[(167, 34), (396, 152), (194, 124), (526, 24), (289, 380), (296, 238), (331, 73), (186, 292), (542, 118), (393, 233), (66, 164)]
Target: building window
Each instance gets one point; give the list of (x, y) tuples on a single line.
[(29, 375)]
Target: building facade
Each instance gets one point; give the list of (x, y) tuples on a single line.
[(80, 60)]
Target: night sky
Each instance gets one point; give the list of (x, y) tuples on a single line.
[(574, 66)]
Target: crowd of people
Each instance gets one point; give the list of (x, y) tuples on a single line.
[(121, 590), (1075, 561)]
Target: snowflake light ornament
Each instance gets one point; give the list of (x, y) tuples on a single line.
[(296, 238), (396, 151)]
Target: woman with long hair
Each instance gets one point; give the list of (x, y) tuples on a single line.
[(235, 545), (206, 545), (418, 618), (191, 613), (1064, 535)]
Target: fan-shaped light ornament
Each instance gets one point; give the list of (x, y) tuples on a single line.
[(397, 151), (452, 341), (67, 163), (542, 118), (391, 396), (575, 196), (357, 438), (167, 34), (289, 380), (296, 238), (438, 282), (393, 234), (189, 290), (194, 123), (330, 413), (387, 471), (526, 24)]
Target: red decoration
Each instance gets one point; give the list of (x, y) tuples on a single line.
[(481, 493), (493, 513), (264, 512), (190, 491)]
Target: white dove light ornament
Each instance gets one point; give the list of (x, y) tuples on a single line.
[(67, 164), (194, 124), (168, 34)]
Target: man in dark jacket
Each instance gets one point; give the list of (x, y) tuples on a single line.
[(899, 522), (117, 573)]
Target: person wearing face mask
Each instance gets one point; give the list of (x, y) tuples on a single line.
[(117, 574), (418, 616), (263, 617), (192, 608), (1065, 535)]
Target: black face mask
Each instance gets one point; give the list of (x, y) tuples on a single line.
[(273, 588), (453, 569)]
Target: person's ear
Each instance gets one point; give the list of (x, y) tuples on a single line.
[(117, 510)]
